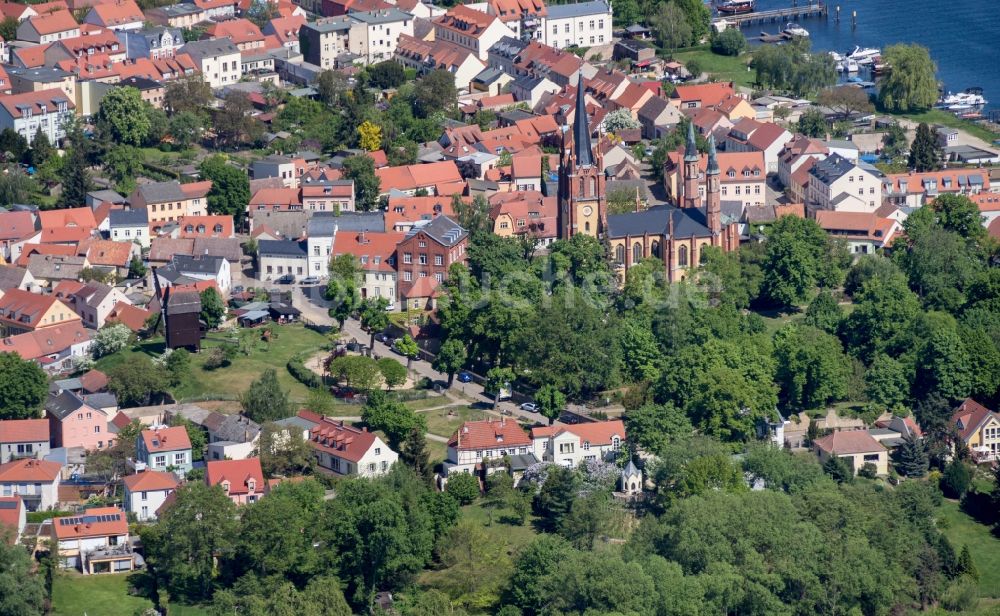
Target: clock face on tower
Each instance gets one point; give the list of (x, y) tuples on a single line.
[(587, 210)]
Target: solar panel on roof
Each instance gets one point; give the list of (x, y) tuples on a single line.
[(8, 505)]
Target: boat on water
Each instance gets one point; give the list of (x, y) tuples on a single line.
[(972, 97), (838, 58), (864, 53), (848, 65), (734, 7), (794, 29)]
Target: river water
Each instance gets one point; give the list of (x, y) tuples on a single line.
[(963, 35)]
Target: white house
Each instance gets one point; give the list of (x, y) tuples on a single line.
[(23, 438), (471, 29), (163, 449), (96, 541), (492, 439), (219, 60), (277, 258), (129, 225), (376, 256), (25, 113), (231, 436), (347, 450), (840, 184), (581, 24), (374, 34), (35, 481), (183, 269), (749, 135), (146, 492), (570, 445)]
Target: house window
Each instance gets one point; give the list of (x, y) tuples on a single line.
[(636, 252), (438, 260), (682, 256), (378, 450), (97, 429), (407, 257), (143, 496), (160, 460)]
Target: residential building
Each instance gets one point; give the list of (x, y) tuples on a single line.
[(93, 302), (440, 178), (345, 450), (701, 95), (523, 17), (658, 117), (376, 257), (578, 24), (749, 135), (527, 214), (154, 43), (26, 113), (168, 201), (491, 439), (35, 481), (182, 15), (17, 229), (322, 229), (530, 89), (56, 349), (857, 447), (118, 15), (75, 423), (863, 232), (231, 436), (96, 541), (165, 449), (22, 311), (41, 78), (219, 60), (742, 177), (150, 90), (428, 250), (286, 30), (130, 225), (374, 34), (146, 491), (48, 28), (327, 196), (795, 153), (917, 189), (219, 226), (323, 40), (571, 445), (186, 270), (244, 33), (14, 277), (837, 183), (471, 29), (241, 480), (13, 518), (23, 438), (979, 429), (278, 258)]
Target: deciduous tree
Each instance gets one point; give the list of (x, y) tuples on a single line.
[(212, 307), (450, 358), (110, 339), (367, 185), (124, 117), (374, 317), (369, 136), (846, 100), (911, 84), (391, 417), (265, 400), (137, 382), (230, 191), (551, 402), (22, 591), (393, 372)]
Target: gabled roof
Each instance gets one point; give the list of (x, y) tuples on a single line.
[(709, 94), (107, 252), (849, 442), (166, 439), (339, 439), (72, 217), (373, 250), (595, 433), (50, 23), (489, 434), (150, 481), (11, 509), (238, 473), (117, 13), (96, 522), (18, 104), (11, 277), (17, 225), (24, 430), (138, 217), (29, 470), (412, 177), (38, 344), (26, 307), (969, 416), (442, 230), (469, 22), (128, 315)]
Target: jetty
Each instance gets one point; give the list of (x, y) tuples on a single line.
[(793, 13)]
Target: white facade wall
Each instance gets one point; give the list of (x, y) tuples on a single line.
[(31, 491), (145, 503), (584, 31), (135, 233)]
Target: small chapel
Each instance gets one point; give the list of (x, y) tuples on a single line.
[(676, 234)]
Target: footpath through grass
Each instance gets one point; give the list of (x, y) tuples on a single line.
[(962, 530)]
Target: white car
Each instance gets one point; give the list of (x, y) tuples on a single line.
[(531, 407)]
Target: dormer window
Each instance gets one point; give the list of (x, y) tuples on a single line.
[(225, 487), (251, 485)]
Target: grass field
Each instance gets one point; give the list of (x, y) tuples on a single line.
[(104, 595), (720, 68), (438, 421), (963, 530), (229, 382)]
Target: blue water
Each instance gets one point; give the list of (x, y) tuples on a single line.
[(961, 35)]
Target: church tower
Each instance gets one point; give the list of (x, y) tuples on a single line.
[(581, 178), (691, 170), (713, 194)]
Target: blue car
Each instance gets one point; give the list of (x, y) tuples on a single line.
[(464, 377)]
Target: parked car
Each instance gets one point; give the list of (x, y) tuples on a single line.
[(383, 337), (531, 407), (309, 280), (464, 377), (286, 279)]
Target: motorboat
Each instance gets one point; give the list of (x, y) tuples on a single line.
[(734, 7), (864, 52), (847, 65), (794, 29), (963, 100), (836, 56)]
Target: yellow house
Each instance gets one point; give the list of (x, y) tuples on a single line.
[(979, 428), (735, 108), (22, 311), (170, 201), (857, 447)]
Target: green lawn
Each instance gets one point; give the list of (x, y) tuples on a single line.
[(104, 595), (438, 422), (721, 68), (963, 530), (944, 118), (229, 382)]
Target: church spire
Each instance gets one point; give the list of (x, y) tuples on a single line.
[(713, 162), (691, 151), (581, 130)]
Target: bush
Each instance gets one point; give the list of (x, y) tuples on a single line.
[(297, 368), (868, 471), (956, 479), (729, 42), (464, 487), (216, 359), (961, 596), (694, 67), (37, 517)]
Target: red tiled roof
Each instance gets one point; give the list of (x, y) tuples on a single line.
[(369, 246), (469, 22), (11, 516), (24, 430), (89, 524), (166, 439), (425, 286), (57, 21), (117, 13), (239, 30), (15, 104), (16, 225), (128, 315), (412, 209), (150, 481), (411, 177), (59, 250), (107, 252), (916, 183), (969, 416), (29, 470), (848, 442), (710, 94), (339, 439), (489, 434), (238, 473), (206, 226), (71, 217), (46, 341), (595, 433), (120, 420), (93, 381)]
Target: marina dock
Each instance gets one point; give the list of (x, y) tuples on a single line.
[(776, 16)]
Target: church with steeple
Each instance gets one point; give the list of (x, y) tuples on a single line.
[(675, 234)]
